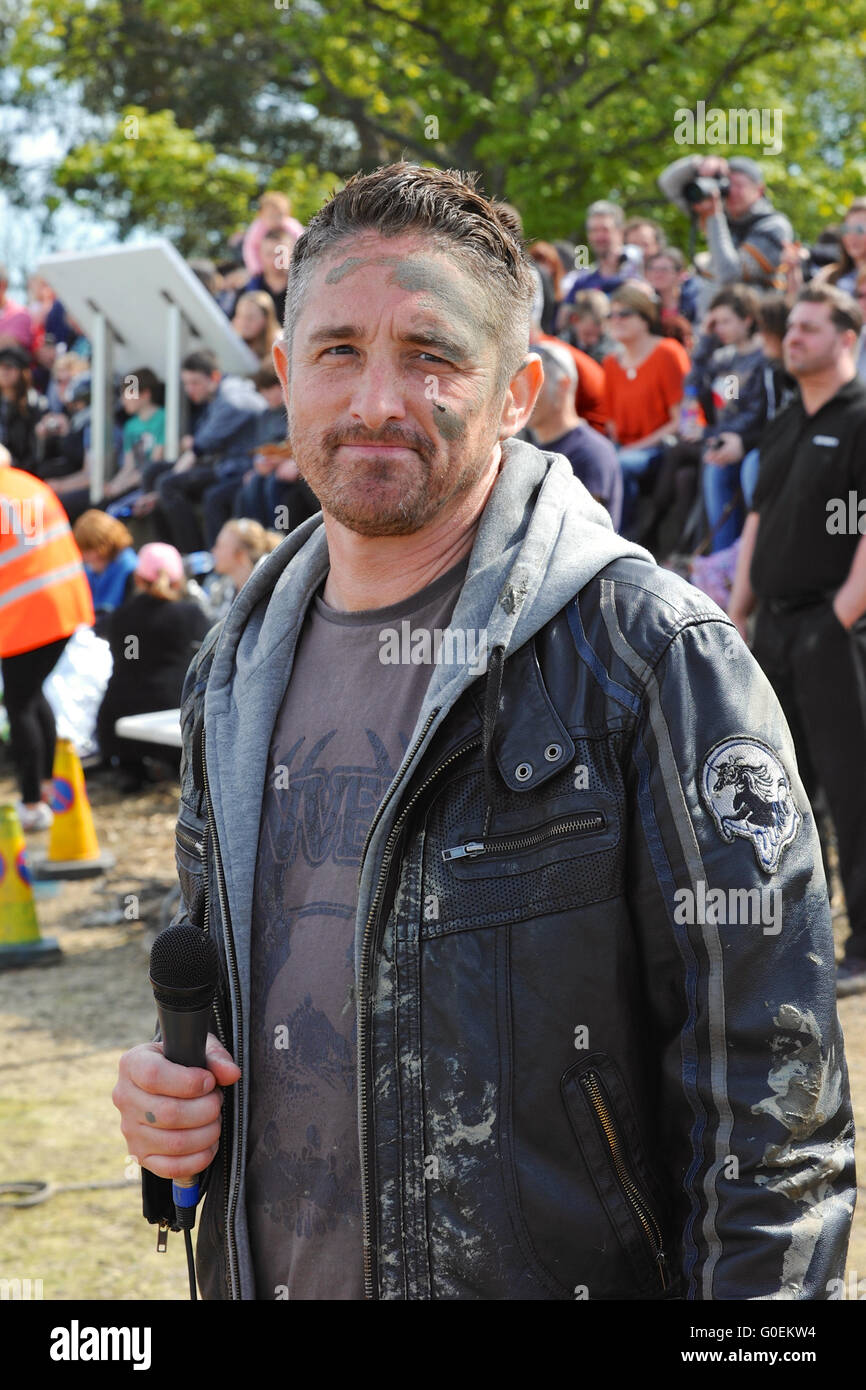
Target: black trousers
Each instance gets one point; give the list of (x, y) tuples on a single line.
[(818, 671), (663, 518), (32, 731), (178, 493)]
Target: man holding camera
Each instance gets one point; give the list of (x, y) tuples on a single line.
[(745, 233)]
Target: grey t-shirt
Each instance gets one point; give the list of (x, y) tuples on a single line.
[(353, 699)]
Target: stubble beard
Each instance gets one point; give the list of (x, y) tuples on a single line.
[(397, 497)]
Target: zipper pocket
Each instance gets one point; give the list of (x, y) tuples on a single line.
[(587, 823), (592, 1088), (188, 841)]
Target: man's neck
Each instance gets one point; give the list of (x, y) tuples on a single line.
[(551, 430), (275, 280), (820, 387), (369, 572), (609, 263)]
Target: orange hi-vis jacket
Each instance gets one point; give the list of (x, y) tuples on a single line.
[(44, 593)]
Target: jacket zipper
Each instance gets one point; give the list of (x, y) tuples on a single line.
[(237, 1111), (500, 844), (365, 1001), (590, 1083), (193, 846), (221, 1032)]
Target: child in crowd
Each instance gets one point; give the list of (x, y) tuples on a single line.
[(143, 441), (236, 551), (274, 215), (109, 559)]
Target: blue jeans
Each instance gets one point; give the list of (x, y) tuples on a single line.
[(635, 463), (720, 487), (749, 475)]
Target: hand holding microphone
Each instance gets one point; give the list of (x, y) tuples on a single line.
[(171, 1113), (184, 969)]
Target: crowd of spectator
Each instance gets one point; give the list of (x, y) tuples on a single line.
[(662, 372)]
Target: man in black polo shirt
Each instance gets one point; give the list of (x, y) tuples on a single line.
[(803, 561)]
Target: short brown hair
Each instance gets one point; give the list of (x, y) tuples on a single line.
[(740, 299), (654, 227), (96, 530), (266, 376), (591, 304), (667, 253), (641, 303), (445, 204), (773, 315), (845, 312)]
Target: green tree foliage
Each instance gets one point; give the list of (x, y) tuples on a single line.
[(553, 104)]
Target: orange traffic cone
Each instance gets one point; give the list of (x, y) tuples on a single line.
[(20, 941), (73, 849)]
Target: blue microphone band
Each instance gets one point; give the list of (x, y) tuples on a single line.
[(185, 1196)]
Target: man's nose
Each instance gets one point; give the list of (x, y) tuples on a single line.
[(378, 395)]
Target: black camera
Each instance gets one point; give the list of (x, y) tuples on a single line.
[(699, 189)]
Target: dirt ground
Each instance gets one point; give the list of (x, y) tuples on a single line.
[(62, 1030)]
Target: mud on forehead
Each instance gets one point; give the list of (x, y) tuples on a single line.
[(434, 275)]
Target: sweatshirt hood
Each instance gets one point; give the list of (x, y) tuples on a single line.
[(541, 538)]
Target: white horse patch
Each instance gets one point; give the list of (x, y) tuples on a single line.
[(747, 792)]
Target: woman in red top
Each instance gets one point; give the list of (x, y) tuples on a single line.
[(644, 387)]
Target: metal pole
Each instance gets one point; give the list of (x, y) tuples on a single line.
[(99, 367), (173, 329)]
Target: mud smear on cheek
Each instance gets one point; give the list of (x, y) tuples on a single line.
[(451, 426)]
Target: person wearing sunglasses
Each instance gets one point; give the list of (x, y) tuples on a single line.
[(644, 389)]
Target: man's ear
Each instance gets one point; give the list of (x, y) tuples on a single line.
[(850, 340), (281, 364), (521, 396)]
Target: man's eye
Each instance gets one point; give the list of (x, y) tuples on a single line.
[(433, 358), (338, 347)]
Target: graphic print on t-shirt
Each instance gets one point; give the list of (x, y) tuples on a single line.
[(313, 828), (337, 744)]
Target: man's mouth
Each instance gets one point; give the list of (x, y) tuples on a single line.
[(395, 448)]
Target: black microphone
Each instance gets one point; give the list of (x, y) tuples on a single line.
[(184, 969)]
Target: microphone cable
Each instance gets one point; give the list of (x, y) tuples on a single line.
[(190, 1263)]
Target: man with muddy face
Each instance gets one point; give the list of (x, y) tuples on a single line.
[(442, 760), (396, 408)]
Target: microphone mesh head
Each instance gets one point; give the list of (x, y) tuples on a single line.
[(184, 958)]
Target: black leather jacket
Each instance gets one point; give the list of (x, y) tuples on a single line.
[(598, 1051)]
